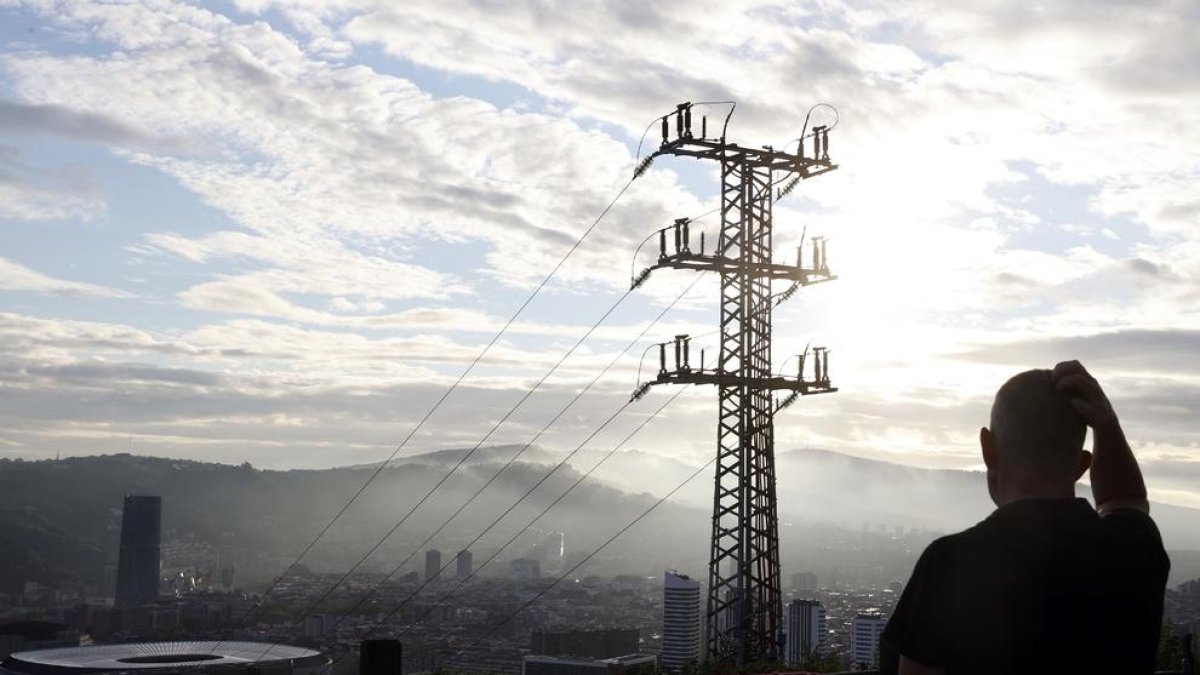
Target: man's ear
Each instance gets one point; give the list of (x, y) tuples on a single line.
[(987, 445), (1085, 463)]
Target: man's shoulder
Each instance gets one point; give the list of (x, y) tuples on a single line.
[(1045, 527), (1138, 533)]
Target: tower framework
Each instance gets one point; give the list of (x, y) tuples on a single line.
[(744, 603)]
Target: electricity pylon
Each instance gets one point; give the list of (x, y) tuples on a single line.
[(744, 607)]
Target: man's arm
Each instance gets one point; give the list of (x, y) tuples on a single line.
[(1116, 478)]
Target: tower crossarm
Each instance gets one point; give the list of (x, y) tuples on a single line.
[(758, 158), (678, 250), (805, 276), (797, 384), (684, 373)]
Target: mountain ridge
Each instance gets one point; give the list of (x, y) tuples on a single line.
[(60, 519)]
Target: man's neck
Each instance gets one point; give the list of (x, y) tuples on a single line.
[(1017, 493)]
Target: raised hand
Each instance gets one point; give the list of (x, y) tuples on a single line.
[(1087, 397)]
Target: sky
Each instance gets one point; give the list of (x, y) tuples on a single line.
[(277, 231)]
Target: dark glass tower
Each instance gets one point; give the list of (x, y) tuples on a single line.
[(138, 565), (463, 561), (433, 564)]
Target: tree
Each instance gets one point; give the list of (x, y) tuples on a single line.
[(1170, 650)]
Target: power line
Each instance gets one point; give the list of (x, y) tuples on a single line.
[(552, 504), (461, 461), (374, 475), (593, 554), (536, 518), (509, 463), (528, 492)]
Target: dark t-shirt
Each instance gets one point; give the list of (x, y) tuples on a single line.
[(1040, 586)]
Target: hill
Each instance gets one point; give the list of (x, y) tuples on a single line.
[(60, 520)]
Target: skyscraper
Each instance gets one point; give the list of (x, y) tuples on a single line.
[(864, 639), (433, 564), (806, 630), (681, 621), (462, 563), (138, 561)]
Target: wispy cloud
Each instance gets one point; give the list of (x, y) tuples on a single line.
[(16, 277), (367, 189)]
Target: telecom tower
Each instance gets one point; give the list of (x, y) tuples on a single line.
[(744, 607)]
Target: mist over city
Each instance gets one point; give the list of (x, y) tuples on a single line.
[(568, 338)]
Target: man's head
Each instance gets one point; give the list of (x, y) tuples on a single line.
[(1034, 447)]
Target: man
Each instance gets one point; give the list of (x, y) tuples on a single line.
[(1045, 584)]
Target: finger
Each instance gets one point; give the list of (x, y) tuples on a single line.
[(1064, 368), (1080, 383)]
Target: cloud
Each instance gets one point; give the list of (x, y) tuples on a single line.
[(1015, 183), (311, 265), (33, 193), (302, 139), (24, 118), (16, 277), (1130, 350), (245, 386)]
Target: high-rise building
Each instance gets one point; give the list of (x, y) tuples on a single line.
[(865, 630), (433, 564), (463, 564), (681, 621), (731, 616), (138, 561), (806, 631)]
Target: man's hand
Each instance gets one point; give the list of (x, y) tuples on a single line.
[(1116, 479), (1087, 398)]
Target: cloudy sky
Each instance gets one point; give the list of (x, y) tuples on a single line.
[(277, 231)]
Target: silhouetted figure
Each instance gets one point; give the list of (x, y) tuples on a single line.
[(1045, 584)]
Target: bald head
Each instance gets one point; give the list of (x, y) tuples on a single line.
[(1034, 426)]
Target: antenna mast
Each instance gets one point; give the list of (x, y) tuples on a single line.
[(744, 608)]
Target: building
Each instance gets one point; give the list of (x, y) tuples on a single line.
[(463, 563), (152, 658), (804, 582), (806, 631), (550, 550), (524, 569), (433, 564), (681, 621), (138, 563), (621, 665), (731, 616), (865, 630), (595, 644), (317, 625)]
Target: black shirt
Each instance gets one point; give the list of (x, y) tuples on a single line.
[(1040, 586)]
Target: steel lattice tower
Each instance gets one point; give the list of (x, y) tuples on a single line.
[(744, 608)]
